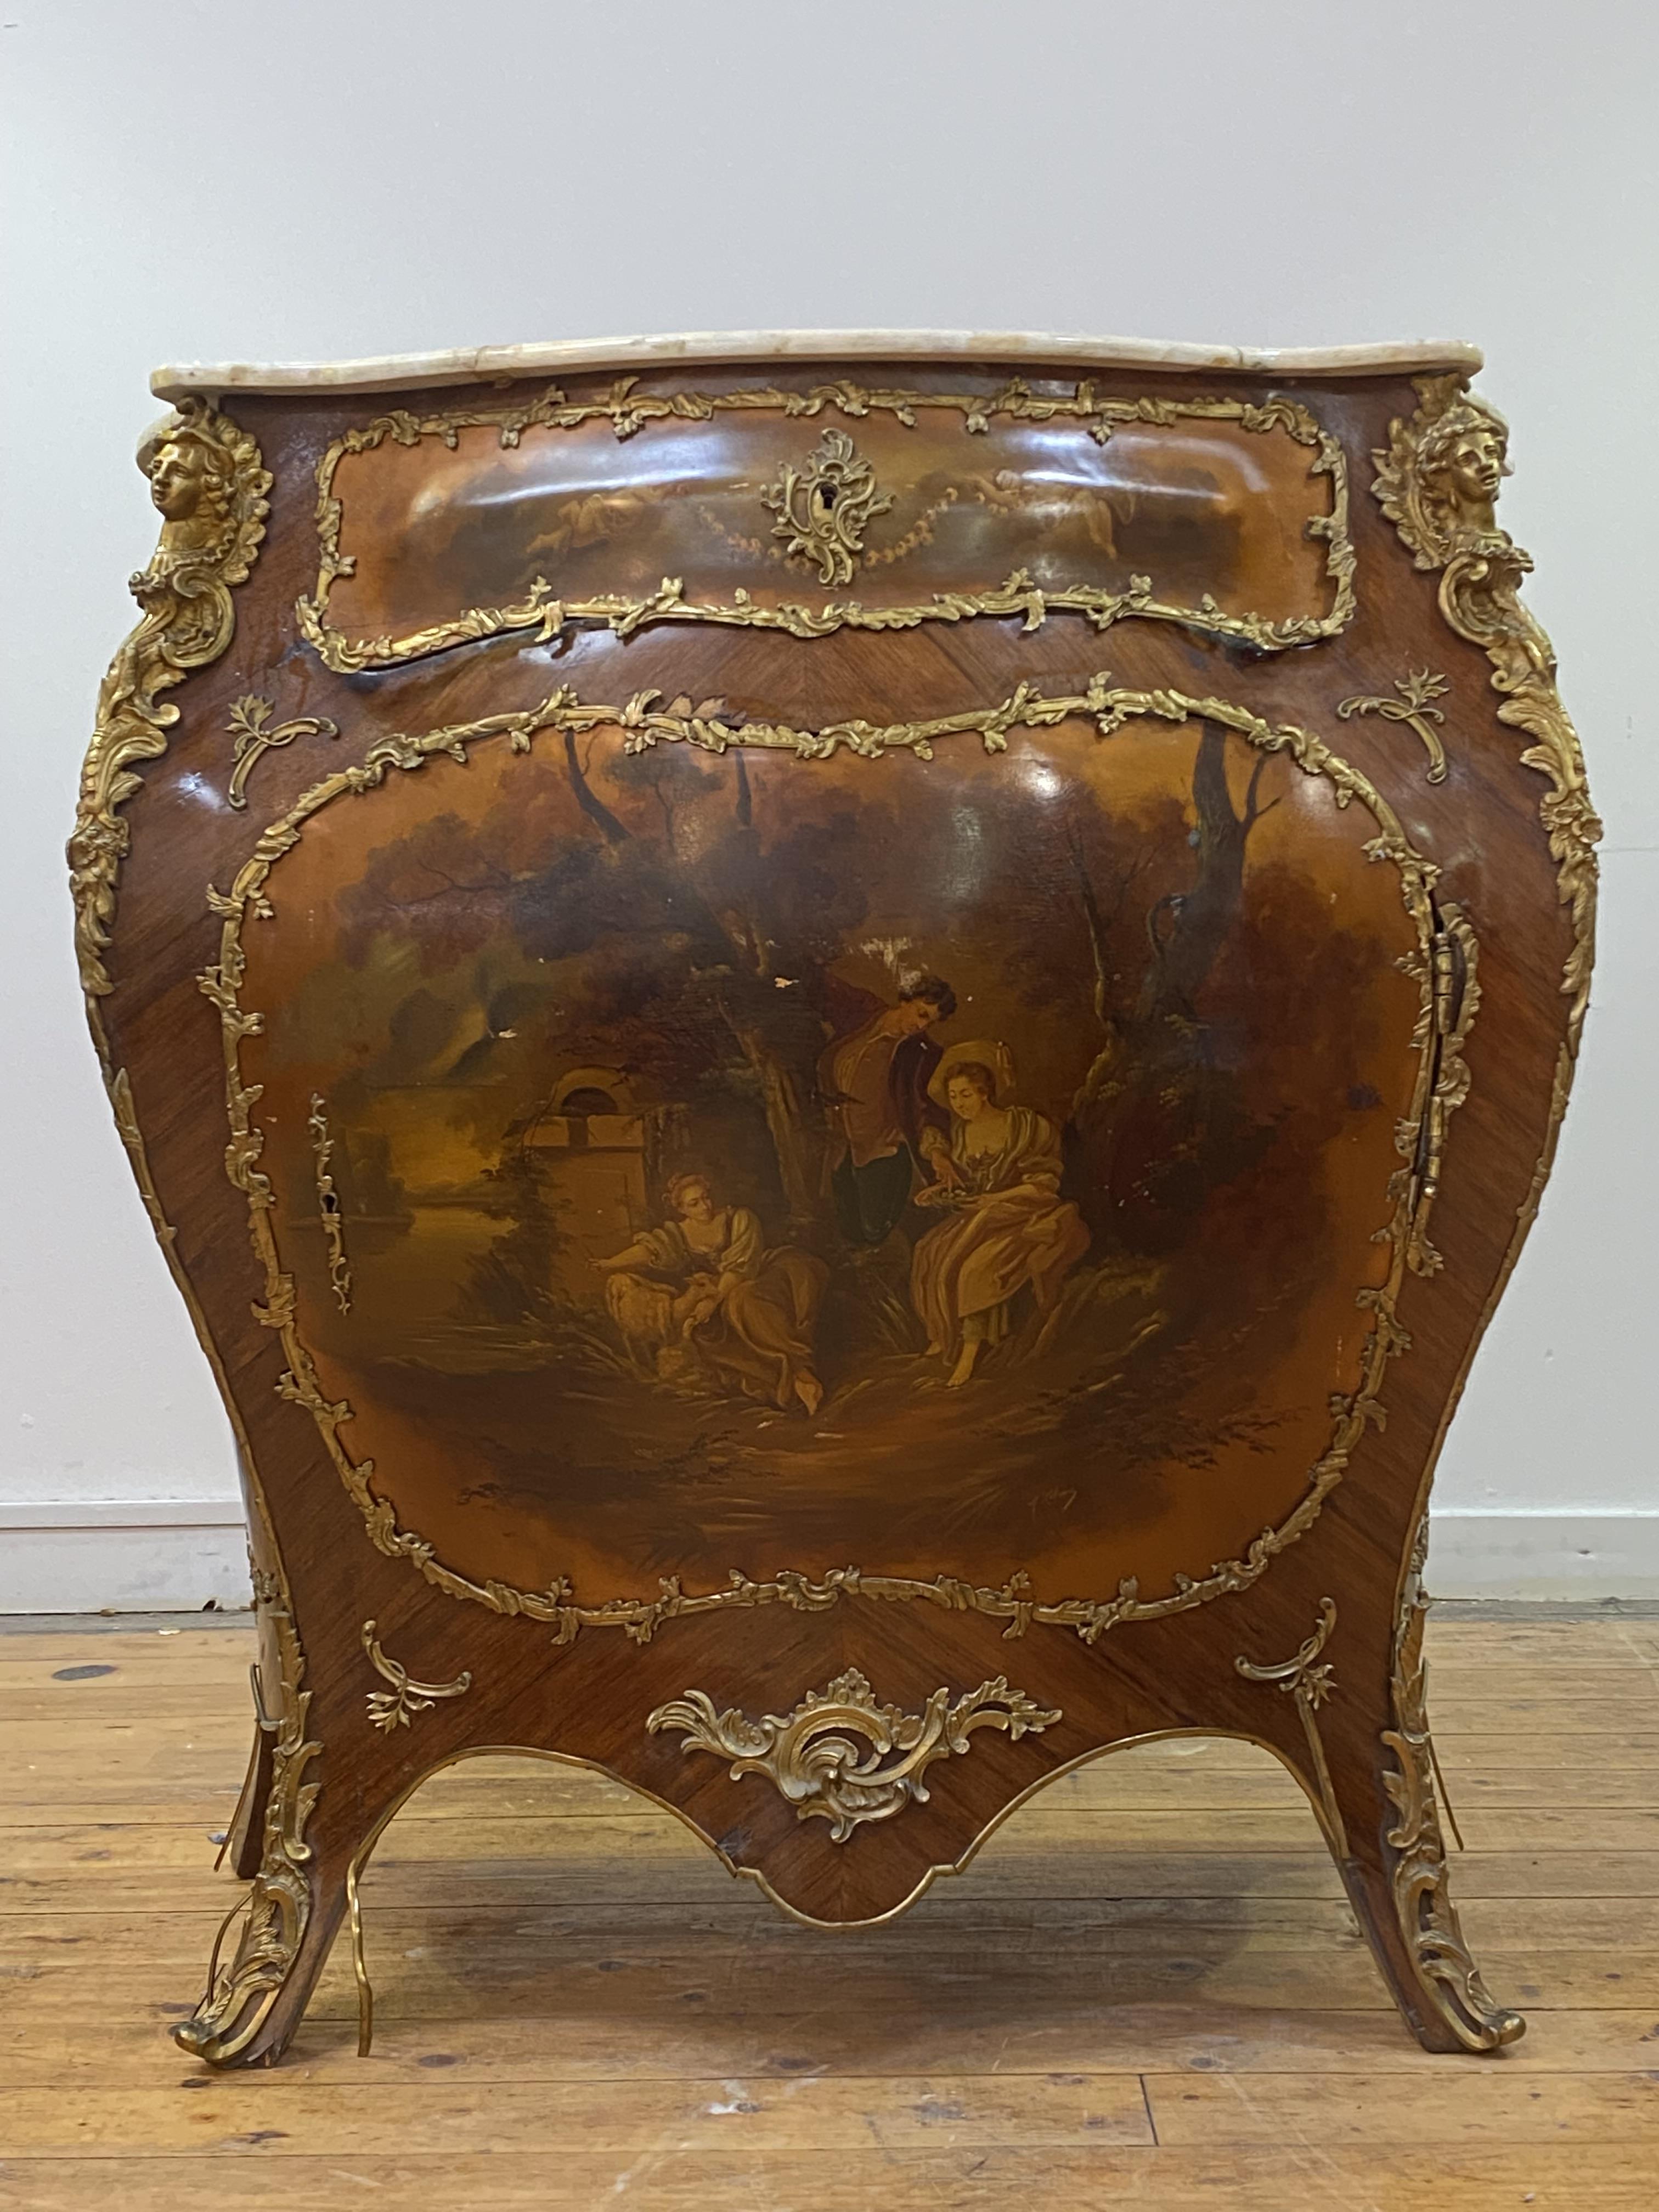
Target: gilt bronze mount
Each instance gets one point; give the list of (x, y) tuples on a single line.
[(884, 1012)]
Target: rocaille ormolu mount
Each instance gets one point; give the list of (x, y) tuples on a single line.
[(841, 1040)]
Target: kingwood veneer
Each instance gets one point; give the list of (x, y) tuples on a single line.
[(818, 1026)]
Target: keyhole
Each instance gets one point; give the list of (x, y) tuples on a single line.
[(826, 497)]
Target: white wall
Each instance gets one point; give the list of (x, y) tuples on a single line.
[(322, 178)]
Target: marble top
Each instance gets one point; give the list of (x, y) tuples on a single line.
[(471, 365)]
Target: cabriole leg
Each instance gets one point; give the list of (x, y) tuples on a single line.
[(1395, 1873), (287, 1923)]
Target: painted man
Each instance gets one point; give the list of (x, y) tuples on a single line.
[(883, 1125)]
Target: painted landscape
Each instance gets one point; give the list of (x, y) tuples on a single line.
[(743, 1162)]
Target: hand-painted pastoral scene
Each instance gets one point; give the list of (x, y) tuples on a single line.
[(745, 1161)]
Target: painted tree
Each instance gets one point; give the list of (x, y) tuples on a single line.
[(760, 917), (1158, 1119)]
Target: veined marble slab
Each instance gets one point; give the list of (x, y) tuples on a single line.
[(471, 365)]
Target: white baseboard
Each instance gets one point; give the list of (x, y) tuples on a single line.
[(1584, 1556), (167, 1555), (99, 1555)]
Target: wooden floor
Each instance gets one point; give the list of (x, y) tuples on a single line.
[(1146, 1990)]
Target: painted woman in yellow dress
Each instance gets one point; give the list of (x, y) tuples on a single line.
[(1007, 1224)]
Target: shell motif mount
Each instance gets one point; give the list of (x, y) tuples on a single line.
[(841, 1757)]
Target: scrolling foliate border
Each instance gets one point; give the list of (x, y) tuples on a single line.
[(1446, 1972), (209, 482), (628, 411), (276, 1909), (1437, 481), (641, 727)]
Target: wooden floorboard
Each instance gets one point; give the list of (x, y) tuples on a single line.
[(1148, 1989)]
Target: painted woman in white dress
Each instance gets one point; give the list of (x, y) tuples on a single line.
[(706, 1301), (1007, 1224)]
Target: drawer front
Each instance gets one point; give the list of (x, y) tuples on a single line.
[(836, 505)]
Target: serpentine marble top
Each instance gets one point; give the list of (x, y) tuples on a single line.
[(469, 364)]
